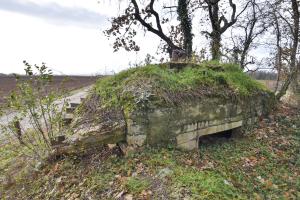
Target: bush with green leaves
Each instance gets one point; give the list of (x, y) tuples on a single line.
[(38, 109)]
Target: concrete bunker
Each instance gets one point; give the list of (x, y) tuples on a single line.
[(150, 112), (183, 125)]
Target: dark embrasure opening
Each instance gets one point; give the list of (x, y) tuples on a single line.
[(216, 137)]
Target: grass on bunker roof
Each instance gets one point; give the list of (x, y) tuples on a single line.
[(158, 83)]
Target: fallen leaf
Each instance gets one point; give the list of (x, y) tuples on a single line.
[(128, 197)]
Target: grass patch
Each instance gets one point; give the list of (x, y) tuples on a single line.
[(99, 181), (205, 184), (136, 185), (160, 85)]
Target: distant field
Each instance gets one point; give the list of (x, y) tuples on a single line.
[(271, 84), (8, 84)]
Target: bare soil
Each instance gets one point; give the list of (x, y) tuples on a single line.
[(8, 84)]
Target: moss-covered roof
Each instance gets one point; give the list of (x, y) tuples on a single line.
[(157, 84)]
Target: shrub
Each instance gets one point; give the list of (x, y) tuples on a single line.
[(39, 117)]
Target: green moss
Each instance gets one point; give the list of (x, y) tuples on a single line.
[(159, 84)]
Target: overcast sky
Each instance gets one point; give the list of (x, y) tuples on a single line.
[(68, 36), (65, 34)]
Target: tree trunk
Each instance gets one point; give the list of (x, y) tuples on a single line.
[(216, 46), (243, 59), (186, 27), (278, 63), (292, 78), (219, 25), (278, 66), (294, 87)]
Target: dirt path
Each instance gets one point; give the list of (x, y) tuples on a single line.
[(74, 97)]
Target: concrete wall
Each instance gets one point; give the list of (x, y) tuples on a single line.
[(183, 125)]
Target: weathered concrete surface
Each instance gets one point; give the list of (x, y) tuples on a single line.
[(189, 140), (97, 125), (177, 125), (110, 131), (183, 125)]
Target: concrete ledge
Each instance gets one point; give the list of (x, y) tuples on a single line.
[(189, 141), (219, 128)]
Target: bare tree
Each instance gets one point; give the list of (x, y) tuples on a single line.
[(253, 25), (247, 29), (219, 23)]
